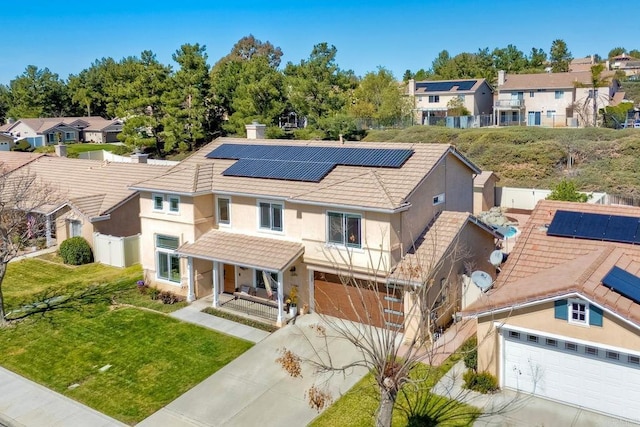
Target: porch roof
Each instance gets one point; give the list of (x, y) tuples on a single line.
[(261, 253)]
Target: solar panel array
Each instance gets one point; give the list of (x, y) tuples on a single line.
[(302, 163), (623, 282), (445, 86), (582, 225)]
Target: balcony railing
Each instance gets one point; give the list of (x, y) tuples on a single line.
[(509, 103)]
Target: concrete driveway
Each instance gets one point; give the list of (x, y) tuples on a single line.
[(254, 389)]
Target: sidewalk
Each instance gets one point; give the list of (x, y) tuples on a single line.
[(24, 403), (193, 314)]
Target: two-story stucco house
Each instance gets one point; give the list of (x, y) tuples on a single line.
[(265, 216), (563, 319), (432, 99), (550, 99)]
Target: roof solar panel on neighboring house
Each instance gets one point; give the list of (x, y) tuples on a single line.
[(564, 224), (592, 226), (623, 282)]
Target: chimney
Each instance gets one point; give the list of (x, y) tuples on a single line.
[(139, 158), (255, 130), (61, 150), (412, 87), (501, 78)]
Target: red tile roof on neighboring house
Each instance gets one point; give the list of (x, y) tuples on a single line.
[(542, 266)]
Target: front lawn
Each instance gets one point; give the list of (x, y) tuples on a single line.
[(73, 150), (150, 358), (357, 407)]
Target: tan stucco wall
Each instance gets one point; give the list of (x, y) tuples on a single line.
[(484, 198), (613, 332)]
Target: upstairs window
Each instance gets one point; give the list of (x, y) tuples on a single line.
[(224, 214), (559, 94), (174, 204), (439, 199), (434, 99), (158, 202), (344, 229), (270, 216), (578, 312)]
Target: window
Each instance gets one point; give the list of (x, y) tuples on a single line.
[(168, 263), (532, 338), (174, 204), (434, 99), (593, 93), (559, 94), (75, 228), (532, 94), (69, 136), (551, 342), (613, 355), (344, 229), (634, 360), (439, 199), (571, 346), (158, 202), (578, 312), (260, 280), (224, 216), (513, 334), (270, 216), (591, 351), (551, 113)]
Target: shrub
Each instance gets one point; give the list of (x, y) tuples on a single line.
[(482, 382), (154, 293), (469, 352), (76, 251), (168, 297)]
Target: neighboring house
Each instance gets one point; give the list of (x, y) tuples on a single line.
[(6, 142), (563, 318), (432, 99), (232, 216), (49, 131), (550, 99), (626, 63), (95, 200)]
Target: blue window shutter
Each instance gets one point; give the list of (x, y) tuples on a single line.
[(595, 315), (561, 310)]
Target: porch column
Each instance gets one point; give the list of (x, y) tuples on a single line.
[(191, 295), (280, 299), (48, 231), (216, 284)]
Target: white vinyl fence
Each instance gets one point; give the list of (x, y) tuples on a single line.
[(526, 198), (116, 251)]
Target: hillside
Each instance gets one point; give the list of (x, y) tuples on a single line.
[(603, 159)]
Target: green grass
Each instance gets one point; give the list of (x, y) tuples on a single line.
[(73, 150), (154, 358), (357, 407)]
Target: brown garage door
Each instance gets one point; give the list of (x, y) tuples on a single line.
[(375, 305)]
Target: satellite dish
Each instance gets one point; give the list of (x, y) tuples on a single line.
[(482, 280), (496, 258)]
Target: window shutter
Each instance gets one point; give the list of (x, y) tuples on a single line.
[(595, 315), (561, 310)]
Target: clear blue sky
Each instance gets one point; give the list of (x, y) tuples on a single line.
[(67, 36)]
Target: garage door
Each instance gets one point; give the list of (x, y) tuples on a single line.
[(592, 377), (358, 304)]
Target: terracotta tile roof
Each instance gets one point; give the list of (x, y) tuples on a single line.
[(10, 160), (547, 80), (251, 251), (542, 266), (481, 179), (432, 247), (618, 97), (94, 188), (376, 188)]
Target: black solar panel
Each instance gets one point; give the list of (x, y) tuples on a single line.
[(612, 228), (291, 159), (279, 169), (564, 224), (445, 86), (623, 282)]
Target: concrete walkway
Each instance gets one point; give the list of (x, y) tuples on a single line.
[(513, 409), (255, 390), (193, 314), (25, 403)]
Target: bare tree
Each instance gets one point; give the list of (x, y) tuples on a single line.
[(398, 350), (23, 201)]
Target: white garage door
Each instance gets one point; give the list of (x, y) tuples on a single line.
[(592, 377)]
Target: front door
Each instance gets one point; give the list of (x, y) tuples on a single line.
[(229, 278)]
